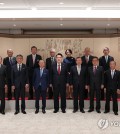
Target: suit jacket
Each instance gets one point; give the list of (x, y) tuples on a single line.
[(9, 66), (49, 63), (112, 84), (3, 76), (84, 63), (61, 79), (43, 80), (76, 79), (29, 62), (97, 78), (19, 77), (102, 62)]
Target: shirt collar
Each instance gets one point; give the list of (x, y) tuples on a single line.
[(19, 64)]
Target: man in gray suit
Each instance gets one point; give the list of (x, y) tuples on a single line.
[(95, 83), (3, 85)]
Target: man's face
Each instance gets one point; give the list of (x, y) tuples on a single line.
[(95, 62), (19, 59), (59, 58), (78, 61), (87, 52), (10, 53), (106, 52), (52, 54), (34, 51), (41, 64), (112, 65)]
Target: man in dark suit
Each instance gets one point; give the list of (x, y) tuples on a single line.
[(78, 75), (104, 61), (49, 61), (9, 61), (3, 85), (19, 79), (112, 85), (59, 81), (40, 84), (32, 63), (87, 62), (95, 83)]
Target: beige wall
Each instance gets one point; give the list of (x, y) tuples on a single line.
[(22, 46)]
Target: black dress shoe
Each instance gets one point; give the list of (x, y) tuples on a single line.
[(9, 98), (106, 112), (24, 112), (75, 110), (98, 111), (116, 113), (16, 112), (30, 98), (82, 111), (43, 111), (37, 111), (90, 110), (55, 111), (3, 112), (63, 111)]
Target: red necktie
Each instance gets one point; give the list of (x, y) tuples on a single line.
[(59, 69)]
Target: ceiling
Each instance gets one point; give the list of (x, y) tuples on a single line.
[(59, 23)]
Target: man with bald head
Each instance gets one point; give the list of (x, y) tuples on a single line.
[(49, 62), (9, 61), (87, 62)]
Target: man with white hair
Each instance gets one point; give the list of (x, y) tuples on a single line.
[(49, 62), (9, 61), (87, 62), (104, 61)]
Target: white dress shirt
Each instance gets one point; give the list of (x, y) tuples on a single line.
[(79, 69)]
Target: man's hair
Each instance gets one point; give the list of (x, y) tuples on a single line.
[(113, 61), (78, 58), (33, 47), (95, 57), (19, 55), (59, 54)]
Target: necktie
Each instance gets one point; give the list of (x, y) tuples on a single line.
[(112, 74), (41, 72), (59, 69), (94, 70), (10, 60), (106, 58), (19, 67), (86, 58), (52, 60), (33, 59)]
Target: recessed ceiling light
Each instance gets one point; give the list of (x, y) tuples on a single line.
[(61, 3), (34, 8), (61, 24), (88, 8), (2, 3)]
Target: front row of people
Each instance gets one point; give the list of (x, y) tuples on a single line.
[(93, 79)]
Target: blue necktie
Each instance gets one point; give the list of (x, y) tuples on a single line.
[(41, 72)]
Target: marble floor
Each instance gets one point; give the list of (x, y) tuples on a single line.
[(51, 123)]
